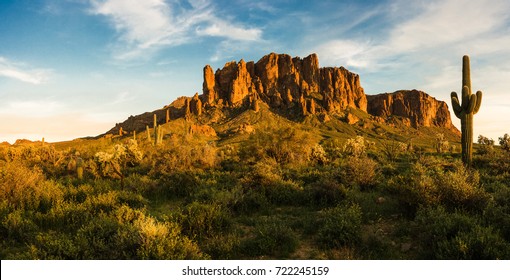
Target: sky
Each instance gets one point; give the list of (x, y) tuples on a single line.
[(74, 68)]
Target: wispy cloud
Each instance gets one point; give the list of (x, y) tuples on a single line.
[(144, 27), (23, 73), (221, 28), (459, 26)]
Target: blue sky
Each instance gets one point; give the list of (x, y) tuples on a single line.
[(73, 68)]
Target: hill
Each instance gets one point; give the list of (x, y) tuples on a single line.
[(329, 100)]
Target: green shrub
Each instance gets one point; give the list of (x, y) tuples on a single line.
[(326, 192), (26, 188), (165, 241), (177, 184), (455, 235), (284, 144), (339, 226), (224, 246), (52, 246), (360, 171), (273, 238), (199, 220), (18, 227), (434, 183)]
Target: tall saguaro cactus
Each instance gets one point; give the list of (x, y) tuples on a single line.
[(465, 111)]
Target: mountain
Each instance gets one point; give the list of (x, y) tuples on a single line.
[(417, 108), (298, 90)]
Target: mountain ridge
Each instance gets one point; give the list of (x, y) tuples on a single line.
[(294, 88)]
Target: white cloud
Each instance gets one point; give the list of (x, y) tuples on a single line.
[(144, 27), (20, 72), (448, 22), (221, 28), (344, 52)]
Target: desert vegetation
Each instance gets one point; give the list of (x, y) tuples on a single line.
[(282, 192)]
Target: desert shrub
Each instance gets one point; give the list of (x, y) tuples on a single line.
[(224, 246), (199, 220), (357, 147), (284, 144), (318, 155), (140, 183), (105, 238), (486, 145), (26, 188), (326, 191), (18, 227), (272, 238), (445, 235), (505, 142), (131, 199), (113, 163), (66, 216), (102, 202), (360, 171), (182, 155), (392, 149), (441, 144), (250, 201), (165, 241), (431, 182), (339, 226), (266, 177), (51, 246), (176, 184)]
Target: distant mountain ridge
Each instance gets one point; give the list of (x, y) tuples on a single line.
[(294, 88)]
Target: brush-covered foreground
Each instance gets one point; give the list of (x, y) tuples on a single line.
[(276, 193)]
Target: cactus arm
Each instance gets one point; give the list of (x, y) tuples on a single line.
[(472, 104), (465, 97), (457, 109), (478, 102)]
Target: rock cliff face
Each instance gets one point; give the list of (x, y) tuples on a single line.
[(280, 81), (299, 87), (420, 108)]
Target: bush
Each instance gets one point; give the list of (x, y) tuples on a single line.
[(182, 155), (272, 238), (176, 184), (203, 220), (427, 183), (505, 142), (357, 147), (360, 171), (326, 192), (339, 226), (27, 188), (457, 236), (486, 145), (283, 144)]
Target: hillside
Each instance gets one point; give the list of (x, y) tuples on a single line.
[(329, 100)]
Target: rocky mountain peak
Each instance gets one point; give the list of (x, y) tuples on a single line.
[(419, 108), (281, 80)]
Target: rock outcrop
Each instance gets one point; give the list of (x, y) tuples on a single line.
[(293, 87), (282, 82), (417, 106)]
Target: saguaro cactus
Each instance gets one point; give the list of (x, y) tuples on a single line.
[(465, 111)]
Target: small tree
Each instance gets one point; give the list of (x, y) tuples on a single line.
[(505, 142), (486, 144)]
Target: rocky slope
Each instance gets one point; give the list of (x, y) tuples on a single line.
[(293, 87), (414, 106)]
